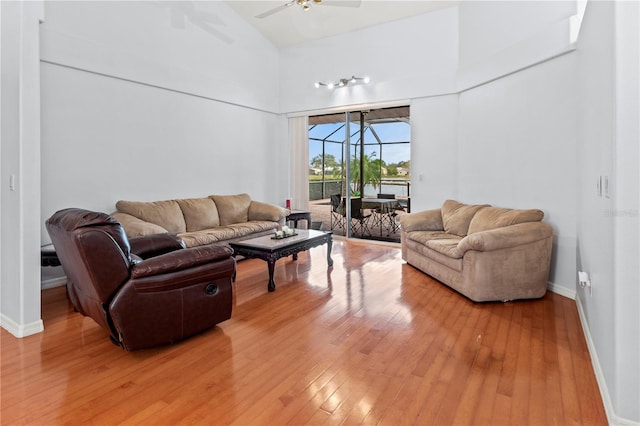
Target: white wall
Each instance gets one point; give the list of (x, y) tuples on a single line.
[(627, 207), (498, 37), (595, 155), (203, 48), (136, 107), (517, 148), (405, 59), (608, 226), (20, 155), (434, 151)]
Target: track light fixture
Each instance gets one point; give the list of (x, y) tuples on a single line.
[(343, 82)]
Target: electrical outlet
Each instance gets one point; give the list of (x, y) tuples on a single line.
[(584, 281)]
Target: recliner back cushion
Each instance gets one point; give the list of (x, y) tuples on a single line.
[(496, 217), (163, 213), (456, 216), (232, 208), (199, 213)]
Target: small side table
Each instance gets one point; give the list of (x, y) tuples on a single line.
[(48, 256), (297, 215)]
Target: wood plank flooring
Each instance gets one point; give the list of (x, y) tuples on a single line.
[(370, 341)]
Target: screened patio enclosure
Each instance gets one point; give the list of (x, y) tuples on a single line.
[(364, 157)]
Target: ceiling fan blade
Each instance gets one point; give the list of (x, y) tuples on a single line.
[(342, 3), (275, 10)]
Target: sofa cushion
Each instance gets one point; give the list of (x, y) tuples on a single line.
[(135, 227), (266, 211), (232, 208), (496, 217), (456, 216), (199, 213), (166, 214), (226, 233)]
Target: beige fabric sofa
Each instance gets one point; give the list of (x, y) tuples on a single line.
[(200, 221), (486, 253)]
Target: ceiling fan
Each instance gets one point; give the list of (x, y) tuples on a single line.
[(306, 5)]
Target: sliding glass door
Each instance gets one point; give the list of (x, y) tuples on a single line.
[(355, 158)]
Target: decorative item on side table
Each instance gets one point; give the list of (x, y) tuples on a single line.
[(285, 232)]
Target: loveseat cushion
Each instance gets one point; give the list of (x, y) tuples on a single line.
[(232, 208), (429, 255), (199, 213), (423, 236), (495, 217), (448, 247), (166, 214), (426, 220), (456, 216)]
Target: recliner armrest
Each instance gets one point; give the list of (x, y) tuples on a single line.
[(179, 260), (155, 245)]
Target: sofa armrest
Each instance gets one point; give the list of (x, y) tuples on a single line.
[(155, 245), (427, 220), (505, 237), (266, 211), (179, 260), (135, 227)]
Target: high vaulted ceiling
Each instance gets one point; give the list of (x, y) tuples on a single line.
[(293, 25)]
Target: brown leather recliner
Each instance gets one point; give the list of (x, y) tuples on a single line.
[(149, 292)]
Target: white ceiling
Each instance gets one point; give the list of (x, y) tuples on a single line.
[(292, 25)]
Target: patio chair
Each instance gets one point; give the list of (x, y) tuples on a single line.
[(359, 220), (337, 212)]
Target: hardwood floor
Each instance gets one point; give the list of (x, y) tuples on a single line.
[(372, 341)]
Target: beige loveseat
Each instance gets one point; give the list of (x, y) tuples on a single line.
[(200, 221), (486, 253)]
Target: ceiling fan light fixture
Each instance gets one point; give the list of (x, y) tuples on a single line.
[(306, 5)]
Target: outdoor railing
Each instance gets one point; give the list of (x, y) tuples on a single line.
[(322, 189)]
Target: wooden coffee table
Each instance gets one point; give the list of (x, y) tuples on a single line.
[(269, 249)]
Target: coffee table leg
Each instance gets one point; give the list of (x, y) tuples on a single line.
[(272, 266), (329, 245)]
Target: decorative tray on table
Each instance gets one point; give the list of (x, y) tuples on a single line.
[(283, 236)]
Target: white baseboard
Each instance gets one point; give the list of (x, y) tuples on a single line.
[(21, 330), (561, 290), (53, 282), (613, 419)]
